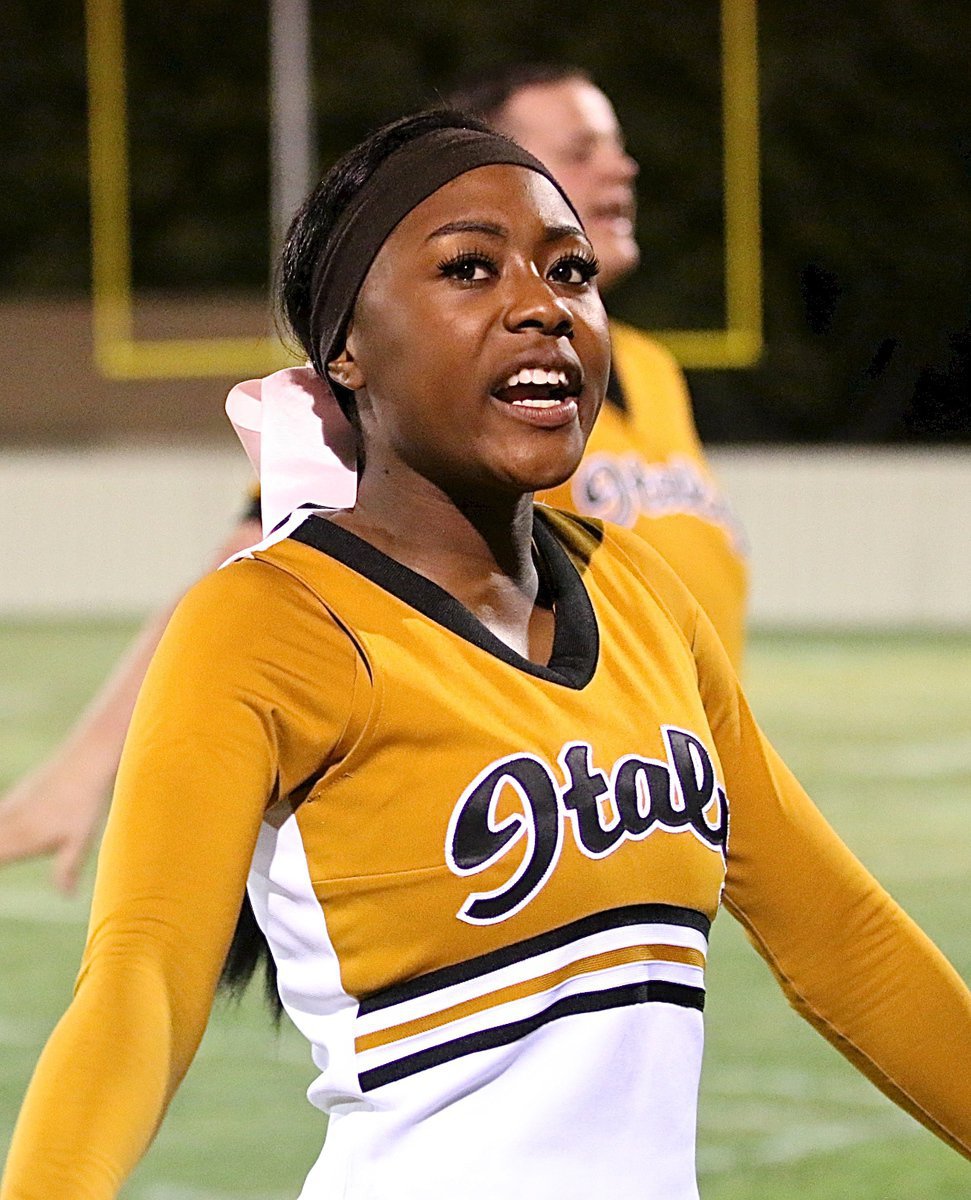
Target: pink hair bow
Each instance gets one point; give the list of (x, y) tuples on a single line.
[(301, 445)]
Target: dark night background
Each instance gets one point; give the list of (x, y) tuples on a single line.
[(865, 173)]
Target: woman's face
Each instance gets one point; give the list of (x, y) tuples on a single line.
[(479, 347)]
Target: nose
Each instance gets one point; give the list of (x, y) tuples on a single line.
[(533, 304), (620, 166)]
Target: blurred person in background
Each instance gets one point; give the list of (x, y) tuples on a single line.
[(57, 807), (644, 466)]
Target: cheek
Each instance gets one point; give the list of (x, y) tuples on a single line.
[(416, 353), (389, 337), (592, 335)]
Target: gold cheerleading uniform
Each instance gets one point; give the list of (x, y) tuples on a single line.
[(487, 884), (644, 468)]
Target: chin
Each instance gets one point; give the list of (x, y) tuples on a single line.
[(617, 261), (543, 477)]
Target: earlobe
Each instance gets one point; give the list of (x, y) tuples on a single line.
[(345, 371)]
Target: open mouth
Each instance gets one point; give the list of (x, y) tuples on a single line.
[(619, 215), (537, 388)]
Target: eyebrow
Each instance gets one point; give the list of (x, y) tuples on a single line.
[(552, 233), (487, 227)]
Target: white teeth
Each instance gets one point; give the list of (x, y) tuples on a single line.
[(535, 403), (537, 375)]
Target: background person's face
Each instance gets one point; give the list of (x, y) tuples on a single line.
[(487, 278), (571, 126)]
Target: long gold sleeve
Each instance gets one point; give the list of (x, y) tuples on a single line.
[(230, 717), (848, 957)]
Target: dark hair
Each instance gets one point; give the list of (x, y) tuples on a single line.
[(306, 240), (486, 94), (247, 952), (311, 229)]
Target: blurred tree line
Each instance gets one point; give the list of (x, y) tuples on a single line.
[(865, 163)]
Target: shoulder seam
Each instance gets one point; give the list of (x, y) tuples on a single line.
[(343, 743)]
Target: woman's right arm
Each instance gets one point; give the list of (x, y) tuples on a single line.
[(849, 960), (222, 726)]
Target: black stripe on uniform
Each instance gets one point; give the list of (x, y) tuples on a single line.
[(654, 991), (613, 918)]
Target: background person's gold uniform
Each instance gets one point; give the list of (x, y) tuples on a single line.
[(645, 468), (487, 883)]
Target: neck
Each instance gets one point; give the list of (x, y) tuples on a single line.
[(477, 548), (455, 540)]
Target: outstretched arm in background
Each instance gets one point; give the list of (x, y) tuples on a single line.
[(57, 807)]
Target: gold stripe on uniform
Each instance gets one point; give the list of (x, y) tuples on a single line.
[(530, 987)]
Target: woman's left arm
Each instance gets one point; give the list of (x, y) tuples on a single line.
[(848, 957)]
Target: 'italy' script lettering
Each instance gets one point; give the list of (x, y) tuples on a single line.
[(680, 792)]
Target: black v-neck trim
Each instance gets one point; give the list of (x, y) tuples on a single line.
[(576, 638)]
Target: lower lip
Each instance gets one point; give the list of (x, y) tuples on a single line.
[(553, 417)]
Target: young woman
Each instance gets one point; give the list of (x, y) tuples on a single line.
[(486, 766), (644, 466)]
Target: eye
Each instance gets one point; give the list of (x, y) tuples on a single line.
[(469, 267), (574, 269), (578, 154)]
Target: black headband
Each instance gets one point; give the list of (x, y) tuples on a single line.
[(407, 177)]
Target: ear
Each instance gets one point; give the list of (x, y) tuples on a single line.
[(344, 369)]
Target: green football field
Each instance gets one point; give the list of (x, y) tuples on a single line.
[(878, 729)]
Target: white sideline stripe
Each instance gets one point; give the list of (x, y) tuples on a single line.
[(799, 1142), (935, 759), (222, 1042), (798, 1133), (807, 1141), (759, 1082), (42, 907), (180, 1191)]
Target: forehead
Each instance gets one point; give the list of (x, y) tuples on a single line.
[(520, 200), (567, 108)]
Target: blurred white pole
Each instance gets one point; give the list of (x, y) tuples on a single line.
[(292, 133)]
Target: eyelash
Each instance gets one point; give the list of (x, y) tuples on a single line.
[(587, 264), (467, 258)]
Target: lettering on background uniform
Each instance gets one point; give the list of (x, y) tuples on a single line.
[(623, 487)]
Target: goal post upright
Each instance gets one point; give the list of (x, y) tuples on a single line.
[(120, 354)]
